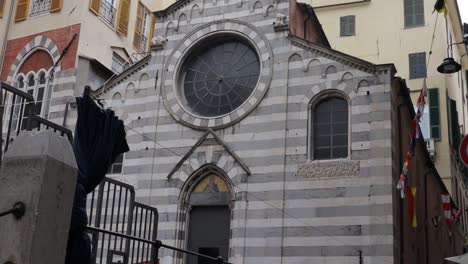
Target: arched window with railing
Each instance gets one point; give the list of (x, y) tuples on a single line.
[(36, 81)]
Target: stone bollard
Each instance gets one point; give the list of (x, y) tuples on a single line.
[(39, 170)]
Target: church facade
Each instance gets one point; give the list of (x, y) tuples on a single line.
[(255, 140)]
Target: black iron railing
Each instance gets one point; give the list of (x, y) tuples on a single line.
[(123, 230), (108, 12), (156, 244), (112, 207), (17, 114)]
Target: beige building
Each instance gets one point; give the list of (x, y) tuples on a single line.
[(51, 49), (111, 32), (401, 32)]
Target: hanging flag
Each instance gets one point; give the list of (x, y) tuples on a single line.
[(413, 146), (411, 194), (447, 207), (414, 124), (420, 104), (424, 88), (456, 215), (401, 185), (440, 7)]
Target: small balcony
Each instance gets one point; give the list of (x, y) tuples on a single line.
[(108, 12), (39, 7)]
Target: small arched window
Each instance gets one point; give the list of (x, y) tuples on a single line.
[(330, 129)]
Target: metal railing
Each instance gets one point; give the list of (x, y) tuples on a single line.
[(20, 116), (112, 207), (144, 43), (39, 7), (123, 230), (108, 12)]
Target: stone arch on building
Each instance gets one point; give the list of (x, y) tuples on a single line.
[(32, 73), (38, 43), (206, 200)]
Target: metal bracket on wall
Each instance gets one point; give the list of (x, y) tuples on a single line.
[(18, 210)]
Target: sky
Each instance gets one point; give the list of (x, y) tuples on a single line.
[(463, 6)]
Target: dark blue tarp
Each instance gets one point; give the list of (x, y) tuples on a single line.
[(99, 139)]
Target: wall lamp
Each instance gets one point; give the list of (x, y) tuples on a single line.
[(449, 65)]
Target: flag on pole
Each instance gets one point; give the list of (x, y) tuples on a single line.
[(447, 207), (411, 194), (456, 215), (401, 185), (440, 7)]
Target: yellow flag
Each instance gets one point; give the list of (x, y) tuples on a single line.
[(414, 221), (440, 7)]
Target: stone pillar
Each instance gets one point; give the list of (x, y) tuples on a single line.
[(39, 170)]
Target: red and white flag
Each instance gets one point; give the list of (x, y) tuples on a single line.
[(422, 100), (446, 206)]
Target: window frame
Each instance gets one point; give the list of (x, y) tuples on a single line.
[(310, 135), (345, 26), (120, 61), (413, 23), (41, 13), (435, 107), (46, 97), (2, 8), (110, 170), (113, 15), (414, 74), (144, 30)]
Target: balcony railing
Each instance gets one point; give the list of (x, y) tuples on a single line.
[(39, 7), (108, 12)]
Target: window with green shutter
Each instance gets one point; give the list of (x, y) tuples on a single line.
[(454, 134), (417, 65), (347, 26), (414, 13), (434, 112)]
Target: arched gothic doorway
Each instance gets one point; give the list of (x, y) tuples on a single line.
[(206, 206)]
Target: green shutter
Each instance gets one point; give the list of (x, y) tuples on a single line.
[(347, 26), (454, 126), (342, 26), (434, 112), (352, 25)]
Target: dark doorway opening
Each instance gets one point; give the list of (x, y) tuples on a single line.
[(209, 228)]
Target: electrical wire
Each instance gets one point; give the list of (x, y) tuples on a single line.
[(432, 42), (259, 198)]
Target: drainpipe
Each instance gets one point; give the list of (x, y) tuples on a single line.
[(5, 36)]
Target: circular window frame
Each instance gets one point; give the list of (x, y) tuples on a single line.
[(185, 63), (172, 97)]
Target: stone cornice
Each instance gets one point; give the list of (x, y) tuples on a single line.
[(123, 75), (340, 57)]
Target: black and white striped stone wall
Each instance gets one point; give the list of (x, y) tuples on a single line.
[(290, 209)]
